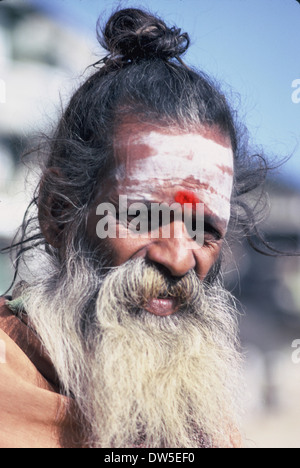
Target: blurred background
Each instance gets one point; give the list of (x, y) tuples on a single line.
[(251, 47)]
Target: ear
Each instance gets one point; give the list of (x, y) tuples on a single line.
[(52, 207)]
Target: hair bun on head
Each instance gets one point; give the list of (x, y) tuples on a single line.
[(133, 34)]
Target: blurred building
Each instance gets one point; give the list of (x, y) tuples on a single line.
[(268, 289), (271, 285), (40, 62)]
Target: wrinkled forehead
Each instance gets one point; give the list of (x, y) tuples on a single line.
[(154, 161), (143, 147), (135, 140)]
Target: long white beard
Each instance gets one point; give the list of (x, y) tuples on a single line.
[(139, 379)]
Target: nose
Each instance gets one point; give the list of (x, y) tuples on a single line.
[(175, 254)]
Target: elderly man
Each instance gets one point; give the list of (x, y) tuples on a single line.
[(124, 336)]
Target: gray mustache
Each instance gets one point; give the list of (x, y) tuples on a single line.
[(139, 281)]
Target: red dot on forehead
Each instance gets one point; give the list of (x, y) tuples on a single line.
[(184, 196)]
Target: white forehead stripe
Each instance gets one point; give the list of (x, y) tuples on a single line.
[(201, 153), (178, 158)]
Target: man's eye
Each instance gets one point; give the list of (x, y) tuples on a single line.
[(211, 234), (200, 232)]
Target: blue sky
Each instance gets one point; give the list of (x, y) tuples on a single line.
[(250, 46)]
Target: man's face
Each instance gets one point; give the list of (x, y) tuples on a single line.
[(147, 348), (155, 165)]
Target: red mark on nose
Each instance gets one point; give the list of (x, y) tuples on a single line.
[(184, 196)]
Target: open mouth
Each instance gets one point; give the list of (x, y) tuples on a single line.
[(162, 306)]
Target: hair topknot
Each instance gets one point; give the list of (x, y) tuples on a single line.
[(132, 34)]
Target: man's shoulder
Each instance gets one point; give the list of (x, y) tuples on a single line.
[(26, 351), (28, 403), (13, 342)]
